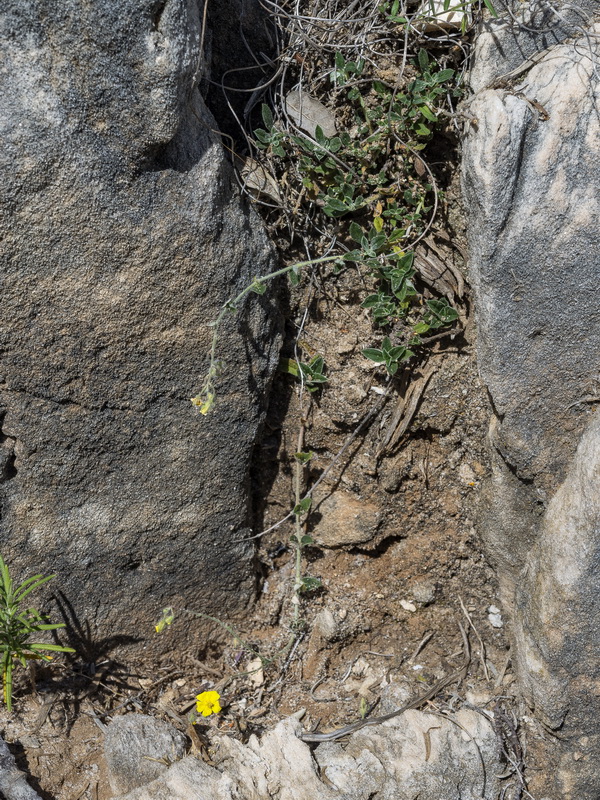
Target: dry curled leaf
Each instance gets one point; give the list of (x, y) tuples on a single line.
[(258, 179), (308, 113)]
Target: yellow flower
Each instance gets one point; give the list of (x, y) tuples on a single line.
[(207, 703), (204, 403), (168, 615)]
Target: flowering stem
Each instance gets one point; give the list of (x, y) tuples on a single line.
[(237, 636), (205, 399)]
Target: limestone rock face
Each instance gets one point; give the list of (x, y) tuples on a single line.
[(121, 234), (417, 754), (558, 623), (531, 174), (139, 749)]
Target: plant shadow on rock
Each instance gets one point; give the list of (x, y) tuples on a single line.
[(91, 662)]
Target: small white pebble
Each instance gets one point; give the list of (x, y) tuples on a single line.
[(495, 617), (408, 606)]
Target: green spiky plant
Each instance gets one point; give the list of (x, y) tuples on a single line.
[(18, 624)]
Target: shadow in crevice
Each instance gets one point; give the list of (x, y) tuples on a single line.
[(265, 465), (22, 762), (188, 146), (8, 469), (239, 60)]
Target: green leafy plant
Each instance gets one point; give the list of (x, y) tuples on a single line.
[(271, 137), (346, 70), (390, 355), (439, 313), (18, 624), (396, 290), (368, 189), (365, 181), (311, 372)]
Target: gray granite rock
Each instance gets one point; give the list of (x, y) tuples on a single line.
[(188, 779), (121, 234), (531, 174), (138, 749)]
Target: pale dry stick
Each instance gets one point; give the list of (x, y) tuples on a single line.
[(424, 641), (502, 672), (482, 656), (287, 662), (405, 411), (340, 733)]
